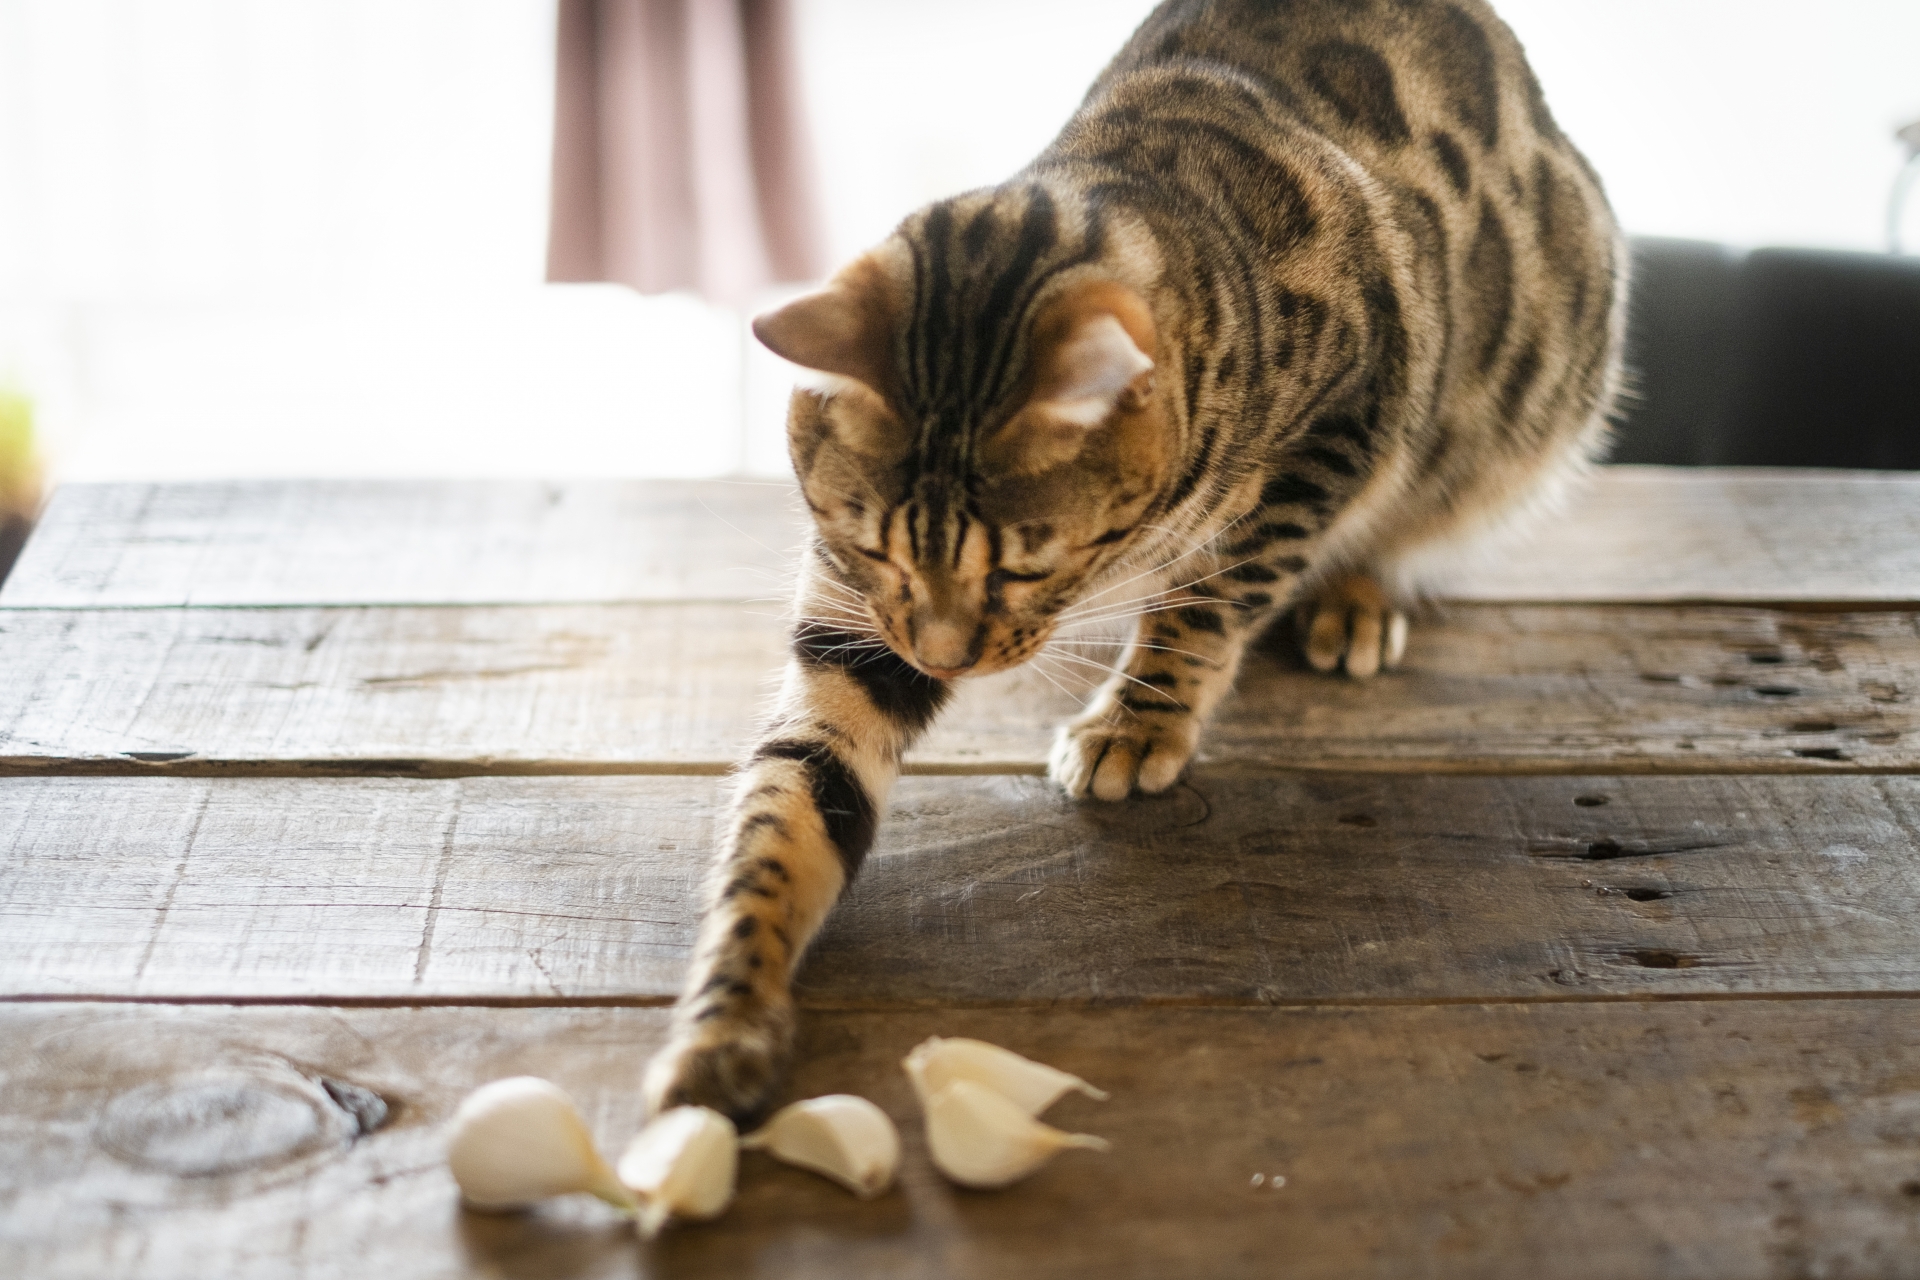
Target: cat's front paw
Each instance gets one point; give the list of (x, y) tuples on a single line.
[(732, 1063), (1353, 622), (1111, 758)]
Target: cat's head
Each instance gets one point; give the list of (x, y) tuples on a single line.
[(984, 433)]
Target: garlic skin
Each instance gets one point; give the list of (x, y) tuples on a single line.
[(517, 1141), (1032, 1086), (682, 1165), (838, 1136), (981, 1138)]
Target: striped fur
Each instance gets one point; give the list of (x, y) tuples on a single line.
[(1304, 287)]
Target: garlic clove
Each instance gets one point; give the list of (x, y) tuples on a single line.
[(1034, 1086), (682, 1165), (980, 1138), (521, 1140), (839, 1136)]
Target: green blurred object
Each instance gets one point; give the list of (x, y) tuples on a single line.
[(19, 470), (19, 474)]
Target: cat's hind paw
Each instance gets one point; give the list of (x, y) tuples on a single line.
[(1352, 622), (1107, 760)]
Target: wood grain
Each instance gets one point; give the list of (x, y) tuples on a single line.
[(1714, 533), (677, 689), (1735, 1140), (1637, 534), (1235, 888), (406, 542)]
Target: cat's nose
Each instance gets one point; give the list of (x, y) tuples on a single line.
[(942, 647)]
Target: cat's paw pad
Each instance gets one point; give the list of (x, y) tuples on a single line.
[(732, 1063), (1353, 623), (1110, 761)]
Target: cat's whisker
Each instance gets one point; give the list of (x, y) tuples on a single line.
[(834, 584), (1145, 573), (1105, 611), (1143, 608), (839, 595), (1118, 645), (848, 602), (1169, 607), (840, 622), (1115, 671), (844, 594), (736, 528), (1042, 672), (843, 609), (1200, 545), (841, 625)]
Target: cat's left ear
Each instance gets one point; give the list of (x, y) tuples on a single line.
[(1091, 354)]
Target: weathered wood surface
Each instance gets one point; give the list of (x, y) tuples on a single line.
[(406, 542), (677, 689), (1233, 888), (1726, 1139), (1712, 533), (1554, 1019), (1637, 533)]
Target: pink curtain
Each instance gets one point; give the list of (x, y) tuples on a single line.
[(680, 160)]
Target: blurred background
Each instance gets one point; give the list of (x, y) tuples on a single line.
[(271, 238)]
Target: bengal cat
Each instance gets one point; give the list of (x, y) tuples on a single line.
[(1304, 287)]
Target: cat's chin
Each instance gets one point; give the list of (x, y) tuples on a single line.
[(985, 667)]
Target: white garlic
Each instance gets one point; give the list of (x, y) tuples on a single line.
[(840, 1136), (980, 1138), (1033, 1086), (682, 1165), (520, 1140)]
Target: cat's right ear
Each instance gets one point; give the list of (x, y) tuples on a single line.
[(844, 331), (843, 335)]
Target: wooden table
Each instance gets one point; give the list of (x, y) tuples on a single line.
[(1587, 945)]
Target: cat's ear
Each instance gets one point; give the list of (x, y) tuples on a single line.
[(1091, 353), (844, 331), (843, 335), (1088, 372)]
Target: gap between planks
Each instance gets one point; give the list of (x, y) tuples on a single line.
[(32, 767), (934, 1005), (1441, 600)]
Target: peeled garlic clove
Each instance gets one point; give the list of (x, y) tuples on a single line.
[(1034, 1086), (981, 1139), (682, 1165), (520, 1140), (840, 1136)]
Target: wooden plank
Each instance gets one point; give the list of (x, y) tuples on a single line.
[(404, 542), (1716, 533), (1723, 1139), (662, 688), (1638, 533), (1232, 888), (677, 688)]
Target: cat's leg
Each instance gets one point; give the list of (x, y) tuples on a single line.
[(1143, 726), (1352, 621), (801, 819)]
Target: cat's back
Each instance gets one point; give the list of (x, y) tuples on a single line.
[(1378, 76), (1503, 245)]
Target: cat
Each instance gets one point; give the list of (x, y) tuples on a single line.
[(1303, 288)]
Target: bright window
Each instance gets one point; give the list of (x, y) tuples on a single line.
[(306, 237)]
